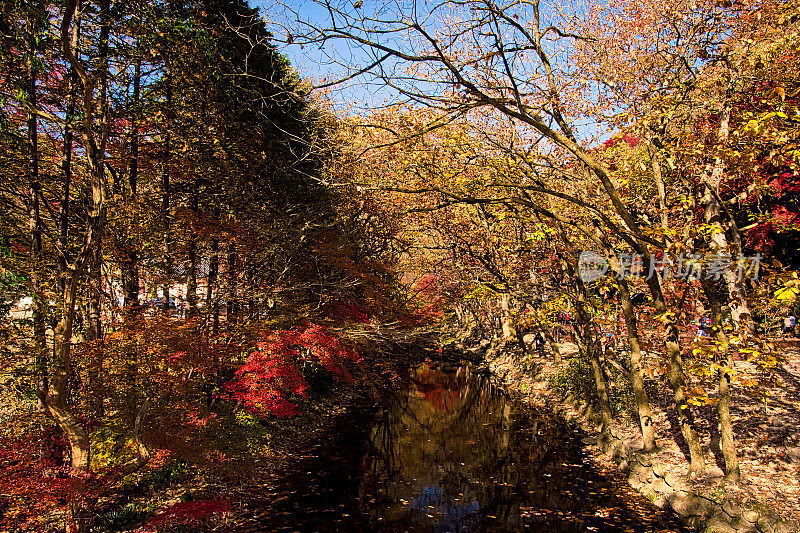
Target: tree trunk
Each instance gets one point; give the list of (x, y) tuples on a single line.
[(98, 157), (697, 462), (724, 411), (672, 347), (725, 362), (130, 266), (166, 216), (130, 262), (69, 125), (211, 281), (76, 434), (735, 297), (191, 274), (659, 179), (130, 285), (233, 305), (587, 342), (506, 324), (604, 403), (63, 225), (636, 376), (249, 281), (589, 348), (35, 227), (143, 454), (95, 332), (634, 347), (719, 243)]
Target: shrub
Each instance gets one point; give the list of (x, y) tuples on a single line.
[(120, 519), (164, 476), (577, 378), (111, 447), (273, 374)]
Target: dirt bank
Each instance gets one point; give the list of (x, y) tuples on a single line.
[(765, 500)]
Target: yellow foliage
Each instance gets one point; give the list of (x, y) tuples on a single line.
[(111, 448)]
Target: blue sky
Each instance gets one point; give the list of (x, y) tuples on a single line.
[(357, 95), (312, 63)]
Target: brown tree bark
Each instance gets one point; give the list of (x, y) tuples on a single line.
[(66, 167), (166, 215), (76, 434), (35, 226), (506, 324), (587, 341), (636, 376), (213, 271), (725, 361), (102, 111), (94, 144), (93, 310), (130, 265), (191, 273), (675, 375), (130, 260), (591, 351), (233, 275), (638, 242), (721, 223)]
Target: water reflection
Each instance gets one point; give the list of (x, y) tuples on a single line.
[(453, 453), (446, 455)]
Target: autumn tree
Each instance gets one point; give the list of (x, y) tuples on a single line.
[(510, 63)]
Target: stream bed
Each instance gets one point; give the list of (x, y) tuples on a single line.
[(451, 452)]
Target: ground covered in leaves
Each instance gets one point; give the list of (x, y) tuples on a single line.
[(767, 434)]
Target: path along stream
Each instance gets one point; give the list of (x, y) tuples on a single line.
[(451, 452)]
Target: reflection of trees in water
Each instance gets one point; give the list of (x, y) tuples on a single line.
[(456, 433), (441, 389), (486, 464)]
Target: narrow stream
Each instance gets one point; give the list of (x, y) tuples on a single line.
[(453, 453)]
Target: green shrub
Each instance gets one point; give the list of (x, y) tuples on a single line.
[(577, 378), (173, 472), (111, 446), (121, 518)]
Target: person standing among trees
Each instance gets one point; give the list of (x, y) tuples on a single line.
[(788, 325), (538, 342)]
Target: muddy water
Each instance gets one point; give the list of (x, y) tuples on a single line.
[(452, 453)]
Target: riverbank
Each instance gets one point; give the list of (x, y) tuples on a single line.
[(206, 467), (766, 500), (177, 493), (293, 448)]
